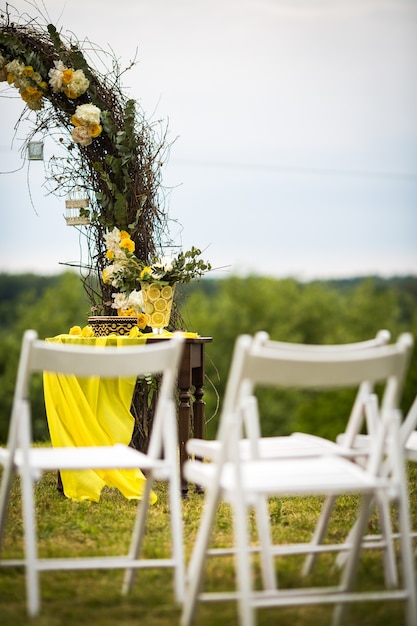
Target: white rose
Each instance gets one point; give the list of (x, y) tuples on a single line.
[(88, 114), (136, 300)]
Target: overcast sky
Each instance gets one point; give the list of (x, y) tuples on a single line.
[(295, 131)]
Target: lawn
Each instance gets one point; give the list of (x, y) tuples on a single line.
[(93, 597)]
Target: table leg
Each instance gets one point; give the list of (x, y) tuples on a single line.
[(197, 377), (184, 412)]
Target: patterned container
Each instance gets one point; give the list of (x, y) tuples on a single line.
[(104, 325)]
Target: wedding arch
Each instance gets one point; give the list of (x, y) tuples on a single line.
[(108, 155)]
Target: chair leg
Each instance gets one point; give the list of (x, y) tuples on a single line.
[(264, 534), (6, 485), (31, 548), (243, 562), (138, 534), (407, 557), (390, 567), (195, 568), (319, 534), (177, 535), (351, 567)]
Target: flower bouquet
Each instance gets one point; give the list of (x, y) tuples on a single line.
[(147, 291)]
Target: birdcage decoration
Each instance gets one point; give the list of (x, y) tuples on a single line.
[(76, 213), (35, 150)]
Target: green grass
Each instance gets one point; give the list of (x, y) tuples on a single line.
[(93, 597)]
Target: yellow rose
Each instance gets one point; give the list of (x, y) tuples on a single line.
[(127, 244), (75, 330), (87, 331), (141, 321), (134, 332), (95, 129), (110, 255), (124, 234), (75, 121)]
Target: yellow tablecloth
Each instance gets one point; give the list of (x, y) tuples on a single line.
[(92, 412)]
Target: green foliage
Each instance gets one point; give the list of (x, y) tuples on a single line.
[(48, 305), (316, 312)]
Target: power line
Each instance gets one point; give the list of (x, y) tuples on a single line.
[(311, 171)]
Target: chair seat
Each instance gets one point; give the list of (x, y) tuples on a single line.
[(296, 444), (104, 457), (329, 475)]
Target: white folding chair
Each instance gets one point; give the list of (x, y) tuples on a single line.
[(299, 444), (246, 483), (160, 462)]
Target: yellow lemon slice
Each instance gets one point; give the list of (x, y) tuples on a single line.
[(157, 319), (149, 308), (167, 292), (153, 293), (160, 304)]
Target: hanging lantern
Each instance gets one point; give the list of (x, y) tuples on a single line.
[(35, 150), (75, 210)]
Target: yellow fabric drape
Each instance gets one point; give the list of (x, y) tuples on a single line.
[(93, 412)]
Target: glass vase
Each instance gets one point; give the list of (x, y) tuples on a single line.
[(158, 303)]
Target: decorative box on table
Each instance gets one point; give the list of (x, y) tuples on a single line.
[(104, 325)]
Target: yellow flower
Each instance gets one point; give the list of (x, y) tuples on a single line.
[(127, 312), (95, 129), (75, 121), (87, 331), (28, 71), (106, 276), (70, 93), (145, 272), (110, 255), (124, 234), (67, 76), (75, 330), (127, 244), (134, 332), (141, 320)]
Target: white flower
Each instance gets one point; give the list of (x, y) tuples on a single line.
[(87, 114), (136, 300), (166, 263), (78, 85), (112, 240), (15, 67), (120, 301), (55, 76), (82, 135)]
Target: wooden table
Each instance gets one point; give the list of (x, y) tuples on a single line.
[(191, 376)]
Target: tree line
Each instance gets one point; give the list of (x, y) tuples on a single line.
[(289, 310)]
